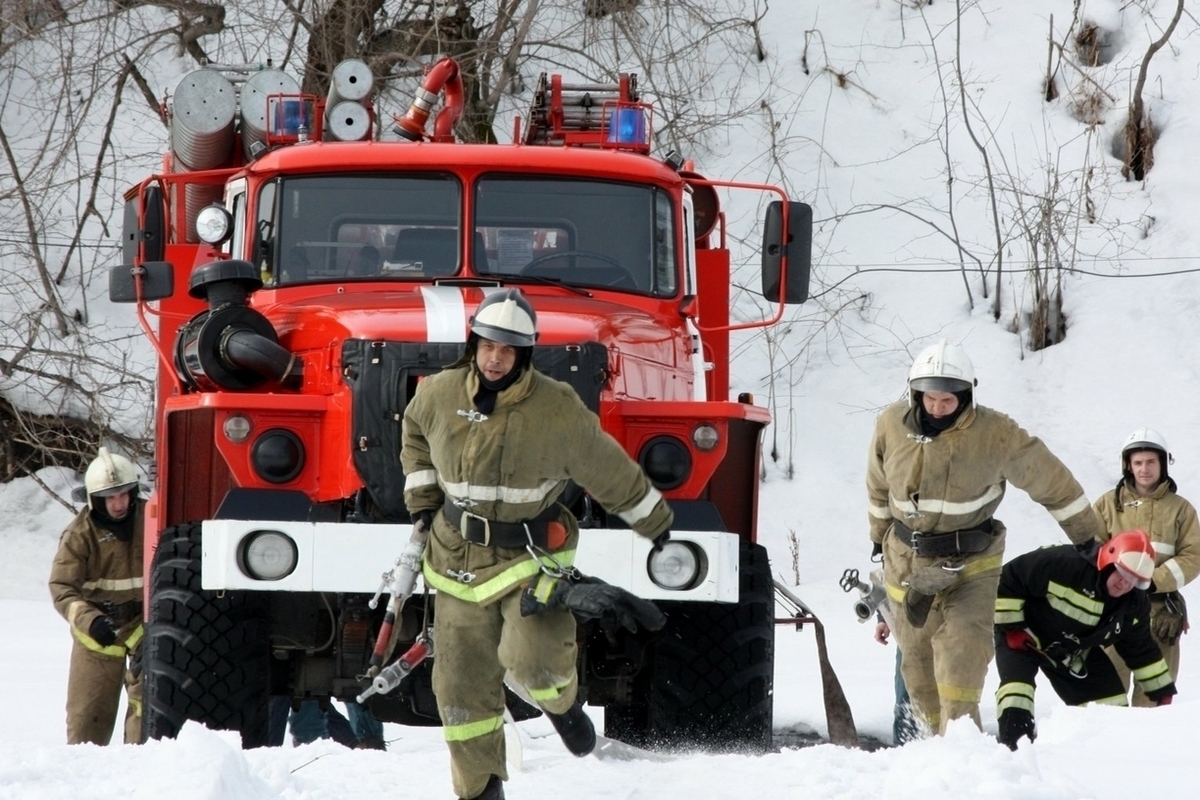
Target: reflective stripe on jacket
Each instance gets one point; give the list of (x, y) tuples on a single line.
[(509, 466), (1171, 522), (955, 481), (93, 568)]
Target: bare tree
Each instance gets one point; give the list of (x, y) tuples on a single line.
[(1139, 129)]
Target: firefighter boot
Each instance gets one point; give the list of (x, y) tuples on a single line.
[(493, 791), (1015, 723), (576, 729)]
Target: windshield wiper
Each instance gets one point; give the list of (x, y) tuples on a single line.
[(539, 279)]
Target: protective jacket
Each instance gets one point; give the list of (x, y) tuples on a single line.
[(95, 574), (948, 486), (1171, 523), (955, 481), (509, 466), (1060, 598)]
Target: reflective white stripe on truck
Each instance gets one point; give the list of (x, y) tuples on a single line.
[(445, 314)]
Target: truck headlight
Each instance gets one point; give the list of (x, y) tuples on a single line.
[(277, 455), (666, 461), (267, 555), (677, 566)]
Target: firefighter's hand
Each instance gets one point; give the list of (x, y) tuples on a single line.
[(658, 542), (592, 599), (104, 631), (1020, 639), (882, 631), (1167, 618), (424, 519)]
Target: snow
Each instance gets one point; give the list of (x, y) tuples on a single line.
[(1125, 363)]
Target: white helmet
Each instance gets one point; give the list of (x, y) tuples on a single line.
[(506, 317), (1146, 439), (109, 474), (941, 367)]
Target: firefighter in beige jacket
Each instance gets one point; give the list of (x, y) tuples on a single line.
[(1146, 498), (938, 468), (488, 447), (96, 585)]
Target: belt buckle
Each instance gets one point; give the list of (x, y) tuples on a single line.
[(916, 539), (487, 528)]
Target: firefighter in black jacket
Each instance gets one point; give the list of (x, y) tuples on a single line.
[(1056, 611)]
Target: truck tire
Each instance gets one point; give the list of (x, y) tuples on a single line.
[(205, 656), (708, 680)]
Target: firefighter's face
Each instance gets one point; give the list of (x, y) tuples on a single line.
[(117, 505), (1146, 471), (939, 404), (495, 360), (1118, 584)]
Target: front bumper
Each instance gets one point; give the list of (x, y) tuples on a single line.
[(342, 557)]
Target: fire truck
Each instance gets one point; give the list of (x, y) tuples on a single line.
[(299, 269)]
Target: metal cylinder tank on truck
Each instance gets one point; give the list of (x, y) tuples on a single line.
[(202, 135), (259, 86)]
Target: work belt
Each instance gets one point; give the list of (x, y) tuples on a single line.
[(121, 613), (954, 543), (493, 533)]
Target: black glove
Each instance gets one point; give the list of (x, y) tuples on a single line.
[(1015, 723), (1089, 550), (424, 519), (660, 540), (1167, 618), (592, 599), (104, 631), (876, 551)]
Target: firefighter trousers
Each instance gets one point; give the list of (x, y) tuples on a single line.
[(945, 661), (1095, 682), (1170, 653), (474, 646), (94, 694)]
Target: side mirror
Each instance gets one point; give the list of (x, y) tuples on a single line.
[(158, 281), (795, 243), (144, 227)]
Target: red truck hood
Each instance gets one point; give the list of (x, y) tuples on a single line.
[(442, 314)]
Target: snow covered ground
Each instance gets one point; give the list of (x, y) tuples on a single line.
[(868, 137)]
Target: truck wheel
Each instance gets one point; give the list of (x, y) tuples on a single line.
[(205, 656), (708, 680)]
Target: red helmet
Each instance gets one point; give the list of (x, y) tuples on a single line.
[(1132, 555)]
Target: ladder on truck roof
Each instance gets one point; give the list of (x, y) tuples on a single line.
[(589, 114)]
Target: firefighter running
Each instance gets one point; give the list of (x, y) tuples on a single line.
[(96, 585), (1056, 610), (936, 472), (488, 447)]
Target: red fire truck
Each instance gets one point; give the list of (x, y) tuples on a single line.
[(298, 272)]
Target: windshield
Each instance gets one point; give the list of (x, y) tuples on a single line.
[(358, 226), (582, 233)]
